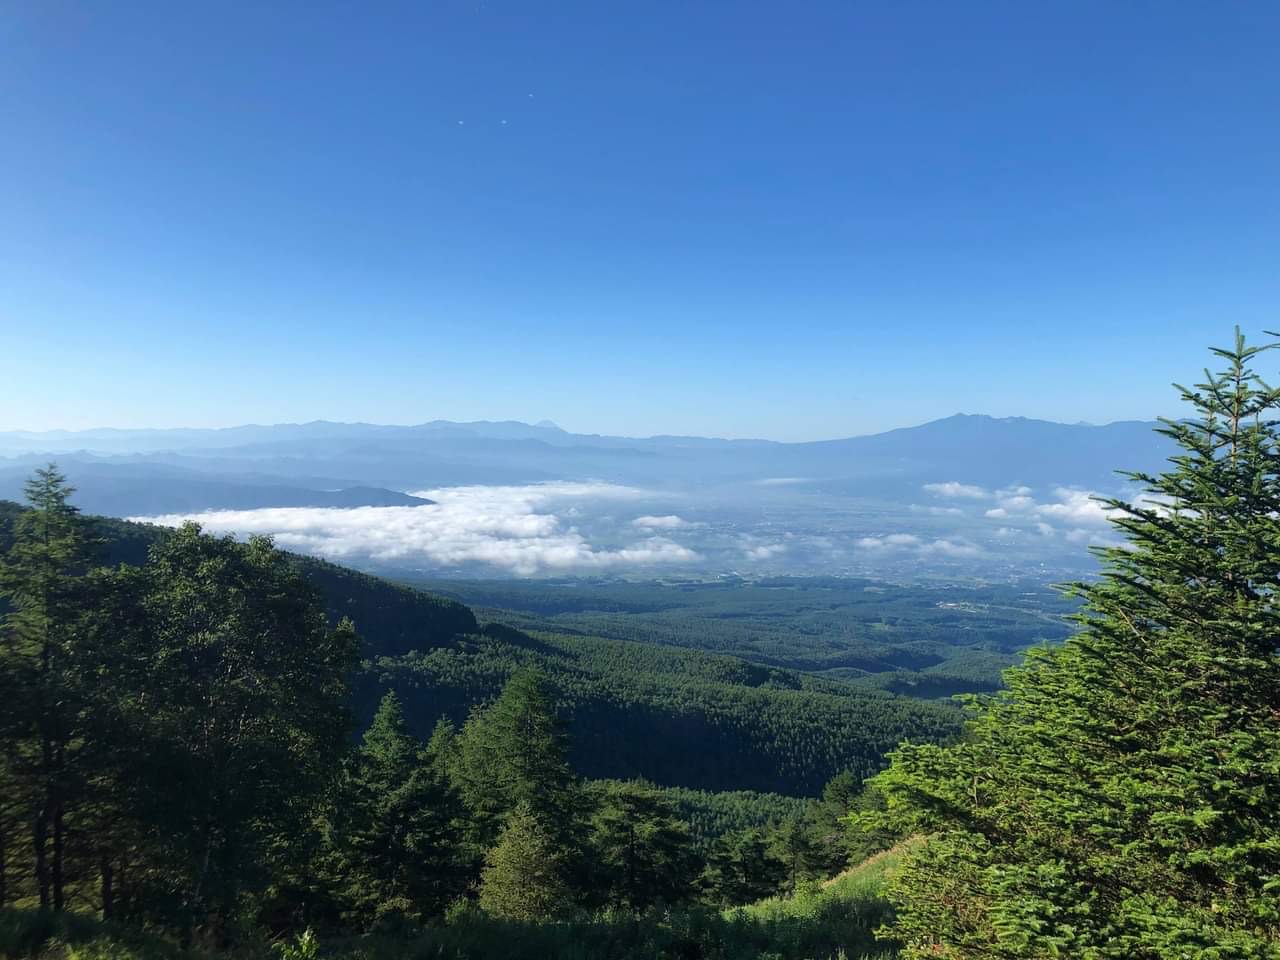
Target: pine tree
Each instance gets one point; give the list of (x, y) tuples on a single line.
[(514, 752), (41, 704), (1122, 799), (794, 845), (395, 830), (11, 810), (743, 869), (524, 875), (641, 851), (239, 711), (838, 846)]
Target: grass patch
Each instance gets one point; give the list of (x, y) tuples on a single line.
[(74, 936), (831, 920)]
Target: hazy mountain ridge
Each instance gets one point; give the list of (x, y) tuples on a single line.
[(966, 494), (971, 448), (126, 488)]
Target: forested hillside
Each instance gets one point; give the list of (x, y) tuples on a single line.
[(392, 619), (923, 639), (676, 716), (178, 758)]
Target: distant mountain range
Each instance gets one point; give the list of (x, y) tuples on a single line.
[(139, 488), (128, 472)]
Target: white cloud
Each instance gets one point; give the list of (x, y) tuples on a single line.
[(1076, 507), (953, 488), (911, 543), (879, 543), (780, 481), (1071, 510), (1018, 503), (1094, 538), (937, 511), (951, 548), (898, 540), (668, 522), (1013, 492), (512, 528), (759, 548)]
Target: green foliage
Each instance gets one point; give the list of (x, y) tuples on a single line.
[(641, 852), (858, 820), (214, 794), (393, 832), (794, 844), (238, 716), (743, 868), (525, 875), (514, 752), (824, 917), (45, 683), (28, 934), (393, 619), (168, 727), (305, 946), (712, 815), (832, 933), (638, 710), (213, 797), (878, 633), (1122, 800)]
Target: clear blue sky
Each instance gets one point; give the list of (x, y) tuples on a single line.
[(790, 220)]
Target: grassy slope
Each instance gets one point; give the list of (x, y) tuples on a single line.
[(70, 936), (837, 914), (823, 921)]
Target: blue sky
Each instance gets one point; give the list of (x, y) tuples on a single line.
[(791, 220)]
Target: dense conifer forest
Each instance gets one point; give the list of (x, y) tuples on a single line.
[(927, 640), (202, 744), (210, 746)]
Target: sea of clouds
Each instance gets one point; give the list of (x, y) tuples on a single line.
[(1069, 515), (1074, 514), (597, 528), (523, 530)]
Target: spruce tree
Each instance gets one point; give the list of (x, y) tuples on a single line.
[(795, 846), (395, 829), (742, 869), (1122, 799), (524, 875), (41, 703), (515, 751), (641, 851)]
